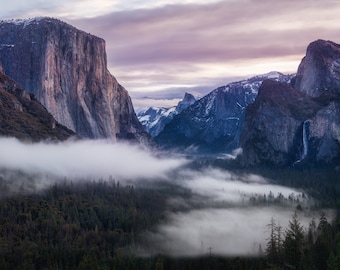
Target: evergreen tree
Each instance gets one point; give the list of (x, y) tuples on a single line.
[(293, 244), (323, 243), (274, 244)]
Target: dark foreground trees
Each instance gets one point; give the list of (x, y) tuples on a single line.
[(96, 226), (315, 248)]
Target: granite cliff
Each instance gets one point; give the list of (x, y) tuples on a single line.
[(319, 70), (66, 69), (290, 125)]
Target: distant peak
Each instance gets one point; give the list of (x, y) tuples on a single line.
[(271, 75), (188, 96)]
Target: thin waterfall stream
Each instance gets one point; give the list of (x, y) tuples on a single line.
[(304, 143)]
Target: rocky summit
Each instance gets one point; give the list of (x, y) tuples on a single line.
[(66, 69), (319, 71)]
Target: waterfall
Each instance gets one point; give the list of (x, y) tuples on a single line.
[(304, 143)]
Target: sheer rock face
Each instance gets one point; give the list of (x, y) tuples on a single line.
[(319, 71), (285, 126), (66, 69), (298, 123), (270, 129)]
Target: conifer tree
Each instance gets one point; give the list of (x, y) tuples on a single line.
[(293, 244)]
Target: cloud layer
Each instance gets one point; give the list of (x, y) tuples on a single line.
[(192, 45)]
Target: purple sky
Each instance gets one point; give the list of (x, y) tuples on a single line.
[(163, 48)]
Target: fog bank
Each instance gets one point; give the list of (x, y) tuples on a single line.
[(226, 232), (84, 159)]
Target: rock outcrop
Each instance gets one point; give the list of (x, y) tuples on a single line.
[(214, 123), (23, 117), (66, 69), (319, 71), (290, 126)]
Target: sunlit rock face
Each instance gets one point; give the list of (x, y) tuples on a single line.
[(66, 69), (301, 124)]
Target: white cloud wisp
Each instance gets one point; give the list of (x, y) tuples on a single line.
[(84, 159)]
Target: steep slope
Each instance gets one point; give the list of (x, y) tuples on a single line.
[(23, 117), (214, 123), (289, 126), (66, 69), (286, 127), (154, 119)]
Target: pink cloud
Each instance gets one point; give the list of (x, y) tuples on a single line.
[(161, 44)]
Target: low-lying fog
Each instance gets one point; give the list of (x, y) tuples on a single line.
[(223, 217)]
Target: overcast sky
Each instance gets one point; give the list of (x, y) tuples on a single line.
[(172, 46)]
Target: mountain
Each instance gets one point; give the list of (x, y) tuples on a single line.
[(319, 70), (66, 69), (154, 119), (290, 125), (214, 123), (23, 117)]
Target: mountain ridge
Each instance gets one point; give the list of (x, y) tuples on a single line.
[(214, 123)]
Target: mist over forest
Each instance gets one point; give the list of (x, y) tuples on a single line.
[(210, 208)]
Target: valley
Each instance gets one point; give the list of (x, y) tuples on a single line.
[(245, 177)]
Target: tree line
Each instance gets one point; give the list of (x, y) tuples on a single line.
[(96, 225), (295, 247)]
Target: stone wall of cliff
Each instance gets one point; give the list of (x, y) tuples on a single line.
[(298, 123), (67, 71)]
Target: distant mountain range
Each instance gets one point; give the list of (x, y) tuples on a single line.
[(214, 123), (281, 120)]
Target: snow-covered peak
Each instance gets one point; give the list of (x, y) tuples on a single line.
[(273, 75), (155, 118), (188, 100)]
